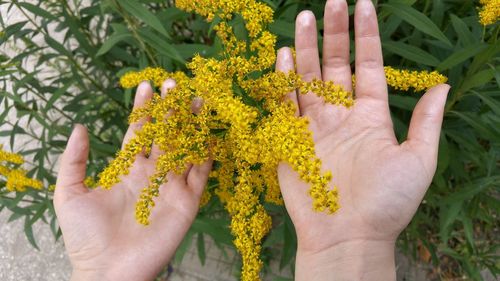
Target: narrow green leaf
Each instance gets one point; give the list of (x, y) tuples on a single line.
[(36, 10), (138, 10), (417, 19), (112, 40), (461, 56), (289, 243), (410, 52), (283, 28), (183, 247), (475, 122), (403, 102), (477, 80), (447, 217), (472, 189), (201, 248), (28, 231), (57, 46), (162, 46), (468, 229), (491, 102), (56, 95), (463, 31)]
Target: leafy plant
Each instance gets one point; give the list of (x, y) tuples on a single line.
[(60, 65)]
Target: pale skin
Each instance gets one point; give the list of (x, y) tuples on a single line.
[(380, 182)]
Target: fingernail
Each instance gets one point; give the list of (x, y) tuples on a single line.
[(144, 86), (196, 105), (167, 85), (336, 5), (73, 131), (306, 19)]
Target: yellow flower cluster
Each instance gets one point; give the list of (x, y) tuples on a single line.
[(10, 157), (15, 178), (418, 80), (89, 182), (245, 124), (490, 12)]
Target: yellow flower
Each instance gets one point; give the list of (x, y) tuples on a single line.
[(15, 178), (90, 182), (490, 12), (418, 80), (18, 181), (10, 157)]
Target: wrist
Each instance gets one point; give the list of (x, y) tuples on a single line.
[(349, 260)]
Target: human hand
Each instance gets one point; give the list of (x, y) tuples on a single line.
[(380, 182), (101, 235)]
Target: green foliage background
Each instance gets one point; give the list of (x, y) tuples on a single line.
[(74, 80)]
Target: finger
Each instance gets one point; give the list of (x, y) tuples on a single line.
[(198, 176), (285, 63), (308, 66), (336, 65), (73, 163), (425, 125), (370, 75), (144, 94), (166, 86)]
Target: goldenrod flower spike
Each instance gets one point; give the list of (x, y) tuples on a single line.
[(417, 80)]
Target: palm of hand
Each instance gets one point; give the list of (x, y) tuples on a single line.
[(380, 182), (377, 179), (99, 228)]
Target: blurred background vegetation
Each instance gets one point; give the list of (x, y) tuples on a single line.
[(61, 65)]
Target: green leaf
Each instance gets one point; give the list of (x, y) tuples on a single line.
[(283, 28), (57, 46), (56, 95), (403, 102), (410, 52), (183, 247), (475, 122), (463, 31), (468, 229), (201, 248), (216, 228), (447, 217), (468, 191), (162, 46), (417, 19), (491, 102), (36, 10), (112, 40), (461, 56), (289, 243), (138, 10), (477, 80), (28, 231)]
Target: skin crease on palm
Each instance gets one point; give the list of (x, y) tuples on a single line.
[(380, 182)]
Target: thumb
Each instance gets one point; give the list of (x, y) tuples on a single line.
[(73, 164), (425, 125)]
